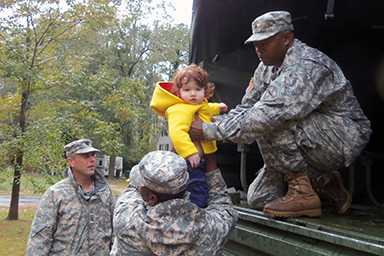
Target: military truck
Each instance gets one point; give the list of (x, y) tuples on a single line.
[(350, 32)]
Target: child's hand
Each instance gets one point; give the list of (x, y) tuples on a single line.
[(223, 107), (194, 160)]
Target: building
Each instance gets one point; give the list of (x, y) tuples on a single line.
[(163, 139), (102, 164)]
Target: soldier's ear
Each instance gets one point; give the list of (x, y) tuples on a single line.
[(288, 38), (153, 200), (71, 161)]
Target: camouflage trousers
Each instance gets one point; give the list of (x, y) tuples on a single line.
[(296, 146)]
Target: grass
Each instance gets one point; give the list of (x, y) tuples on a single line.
[(14, 234), (37, 184), (31, 183)]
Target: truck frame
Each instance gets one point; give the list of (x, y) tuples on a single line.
[(350, 32)]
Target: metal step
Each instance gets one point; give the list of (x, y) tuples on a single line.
[(329, 234)]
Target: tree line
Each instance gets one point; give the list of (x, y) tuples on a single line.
[(81, 69)]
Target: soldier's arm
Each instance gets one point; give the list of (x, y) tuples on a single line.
[(128, 210), (43, 227), (292, 95), (221, 214), (112, 203)]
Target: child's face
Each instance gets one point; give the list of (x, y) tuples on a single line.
[(192, 93)]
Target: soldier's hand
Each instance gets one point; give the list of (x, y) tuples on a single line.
[(196, 131)]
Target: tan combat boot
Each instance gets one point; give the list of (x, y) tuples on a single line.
[(300, 200), (331, 186)]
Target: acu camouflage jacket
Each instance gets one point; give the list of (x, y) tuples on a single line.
[(70, 222), (174, 227)]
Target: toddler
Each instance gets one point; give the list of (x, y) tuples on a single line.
[(179, 101)]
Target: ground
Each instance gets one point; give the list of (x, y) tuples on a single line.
[(118, 187)]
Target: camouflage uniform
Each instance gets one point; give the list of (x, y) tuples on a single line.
[(176, 226), (303, 115), (70, 221)]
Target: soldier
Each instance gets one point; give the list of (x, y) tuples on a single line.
[(74, 217), (155, 216), (303, 114)]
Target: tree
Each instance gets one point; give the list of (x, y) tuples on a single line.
[(28, 40), (92, 68), (136, 55)]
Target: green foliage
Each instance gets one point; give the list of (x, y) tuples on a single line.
[(31, 183), (86, 69), (8, 125), (6, 179), (40, 182)]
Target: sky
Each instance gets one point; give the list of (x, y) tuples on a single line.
[(183, 13)]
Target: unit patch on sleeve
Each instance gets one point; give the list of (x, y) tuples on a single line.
[(250, 86), (272, 95)]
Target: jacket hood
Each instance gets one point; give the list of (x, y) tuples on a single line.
[(162, 98)]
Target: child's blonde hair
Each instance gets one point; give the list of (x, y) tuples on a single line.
[(192, 72)]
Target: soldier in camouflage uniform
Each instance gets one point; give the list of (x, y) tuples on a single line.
[(155, 216), (303, 114), (74, 216)]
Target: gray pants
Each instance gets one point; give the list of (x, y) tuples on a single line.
[(310, 145)]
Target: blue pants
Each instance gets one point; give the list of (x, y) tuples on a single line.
[(197, 186)]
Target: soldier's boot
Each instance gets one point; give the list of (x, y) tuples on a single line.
[(300, 200), (331, 186)]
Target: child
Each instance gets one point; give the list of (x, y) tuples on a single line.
[(179, 101)]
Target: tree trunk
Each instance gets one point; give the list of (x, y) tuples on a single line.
[(13, 213), (111, 171), (14, 208)]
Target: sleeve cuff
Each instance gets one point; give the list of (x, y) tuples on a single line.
[(209, 130)]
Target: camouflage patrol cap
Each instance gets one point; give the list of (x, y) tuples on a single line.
[(269, 24), (80, 147), (164, 172), (134, 176)]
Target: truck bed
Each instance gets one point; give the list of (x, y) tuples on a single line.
[(359, 232)]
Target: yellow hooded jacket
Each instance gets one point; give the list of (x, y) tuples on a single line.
[(180, 116)]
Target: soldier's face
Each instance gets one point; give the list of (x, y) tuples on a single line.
[(147, 196), (145, 193), (83, 164), (272, 51)]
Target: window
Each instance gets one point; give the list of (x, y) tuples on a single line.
[(164, 147)]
